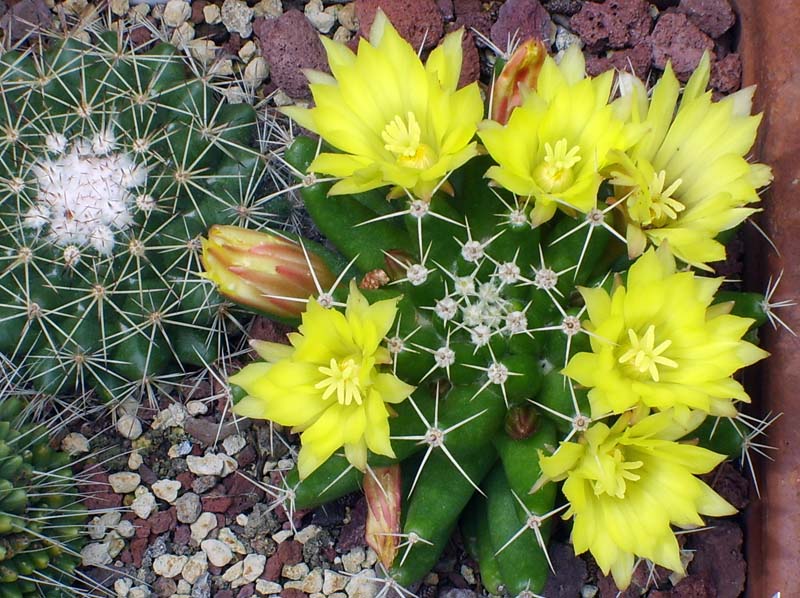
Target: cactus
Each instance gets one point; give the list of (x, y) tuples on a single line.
[(113, 162), (538, 346), (41, 517)]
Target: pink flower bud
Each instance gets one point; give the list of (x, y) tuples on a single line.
[(519, 76), (383, 512)]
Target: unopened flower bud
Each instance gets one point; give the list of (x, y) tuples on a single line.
[(519, 75), (382, 490)]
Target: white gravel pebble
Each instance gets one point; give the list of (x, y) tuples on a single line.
[(237, 17), (135, 460), (229, 465), (295, 572), (203, 526), (195, 567), (124, 482), (282, 535), (75, 444), (265, 587), (321, 20), (209, 465), (166, 490), (218, 553), (310, 584), (95, 555), (307, 533), (129, 426), (175, 415), (363, 585), (139, 592), (351, 561), (176, 12), (213, 16), (235, 443), (256, 71), (231, 541), (144, 503), (169, 565), (270, 9), (253, 566), (333, 581), (188, 508), (205, 51), (233, 573), (125, 529), (347, 17), (182, 35), (184, 588), (122, 586)]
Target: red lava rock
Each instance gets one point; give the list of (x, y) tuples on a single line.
[(693, 586), (290, 44), (247, 456), (216, 503), (233, 44), (95, 487), (263, 329), (446, 8), (197, 11), (183, 534), (570, 573), (290, 552), (163, 521), (223, 594), (25, 18), (141, 35), (608, 589), (730, 484), (419, 21), (245, 494), (713, 17), (186, 478), (470, 62), (164, 587), (521, 19), (352, 535), (148, 476), (637, 59), (293, 593), (273, 568), (126, 557), (207, 431), (141, 528), (726, 74), (677, 39), (613, 24), (138, 546), (718, 557), (247, 591), (470, 15)]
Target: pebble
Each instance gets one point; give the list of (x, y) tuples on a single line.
[(126, 529), (208, 465), (183, 34), (237, 17), (175, 415), (321, 20), (218, 553), (135, 460), (295, 572), (265, 587), (307, 533), (184, 587), (203, 50), (233, 573), (195, 567), (270, 9), (75, 444), (310, 584), (229, 464), (203, 526), (95, 555), (176, 12), (363, 585), (169, 565), (166, 490), (589, 591), (129, 426), (256, 71), (253, 566), (565, 39), (212, 16), (231, 541), (347, 17), (96, 529), (342, 35), (235, 443), (116, 544), (122, 586), (246, 52), (188, 508), (139, 592), (144, 503), (209, 14), (241, 519), (282, 535), (124, 482), (352, 560), (333, 581)]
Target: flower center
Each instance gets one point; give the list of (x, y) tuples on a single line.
[(611, 472), (644, 356), (653, 205), (404, 139), (555, 173), (343, 379)]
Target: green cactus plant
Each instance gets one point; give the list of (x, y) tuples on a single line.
[(113, 161), (41, 516)]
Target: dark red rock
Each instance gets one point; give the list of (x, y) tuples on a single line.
[(608, 589), (148, 476), (470, 61), (216, 503), (419, 21), (612, 24), (290, 44), (352, 535), (694, 586), (141, 528), (289, 552), (246, 591), (25, 18), (470, 15), (164, 587), (273, 568), (138, 546), (244, 492), (521, 19), (637, 59), (264, 329), (247, 456), (126, 557), (185, 478), (293, 593), (208, 431), (141, 35), (104, 500), (713, 17), (726, 74), (163, 521), (730, 484), (675, 38), (718, 557), (224, 594), (446, 8), (197, 11), (182, 536), (233, 45), (95, 488)]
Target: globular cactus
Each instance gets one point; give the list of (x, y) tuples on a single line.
[(41, 517), (529, 337), (113, 162)]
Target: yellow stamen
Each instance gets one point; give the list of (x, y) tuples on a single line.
[(555, 173), (342, 379), (645, 355), (404, 140)]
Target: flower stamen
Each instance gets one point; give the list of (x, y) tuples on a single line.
[(645, 355), (342, 379)]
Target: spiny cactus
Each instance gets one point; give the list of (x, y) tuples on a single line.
[(520, 326), (41, 517), (113, 162)]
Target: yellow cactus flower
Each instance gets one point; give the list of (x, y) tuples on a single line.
[(555, 144), (395, 121), (658, 341), (328, 383), (687, 179), (626, 485)]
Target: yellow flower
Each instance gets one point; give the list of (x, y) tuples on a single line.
[(660, 342), (555, 144), (396, 121), (328, 384), (626, 485), (686, 180)]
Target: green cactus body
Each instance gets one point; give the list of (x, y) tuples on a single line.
[(41, 518), (112, 164)]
